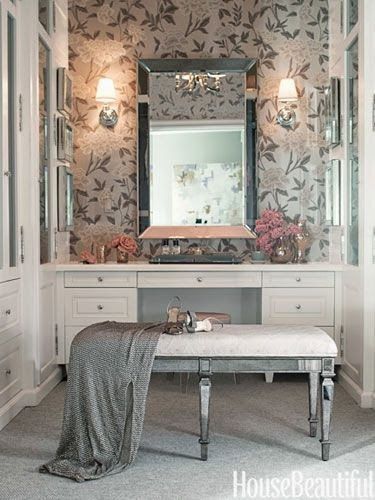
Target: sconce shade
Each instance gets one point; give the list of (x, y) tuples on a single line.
[(105, 91), (287, 90)]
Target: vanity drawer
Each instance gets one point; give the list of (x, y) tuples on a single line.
[(305, 306), (97, 279), (297, 279), (204, 279), (10, 306), (10, 370), (86, 307)]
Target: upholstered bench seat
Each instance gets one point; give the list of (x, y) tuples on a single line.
[(254, 349), (250, 340)]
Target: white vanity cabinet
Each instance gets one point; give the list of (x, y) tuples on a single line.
[(290, 294), (298, 298), (90, 297)]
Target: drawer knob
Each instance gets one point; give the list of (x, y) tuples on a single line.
[(298, 279), (8, 312), (298, 306), (199, 279), (100, 279), (8, 371), (100, 307)]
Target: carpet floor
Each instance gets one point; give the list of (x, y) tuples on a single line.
[(257, 428)]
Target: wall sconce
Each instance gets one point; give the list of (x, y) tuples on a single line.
[(286, 116), (106, 94)]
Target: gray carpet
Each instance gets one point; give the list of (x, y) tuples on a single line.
[(255, 427)]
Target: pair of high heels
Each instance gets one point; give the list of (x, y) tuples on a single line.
[(176, 321)]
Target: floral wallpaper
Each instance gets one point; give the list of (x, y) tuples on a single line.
[(288, 37), (167, 104)]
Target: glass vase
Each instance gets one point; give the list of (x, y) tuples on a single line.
[(122, 257), (282, 251)]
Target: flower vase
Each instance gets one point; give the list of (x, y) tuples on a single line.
[(282, 251), (122, 257)]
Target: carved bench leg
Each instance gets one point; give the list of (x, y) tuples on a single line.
[(326, 408), (204, 409), (313, 402)]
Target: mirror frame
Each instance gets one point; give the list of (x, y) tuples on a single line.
[(144, 69)]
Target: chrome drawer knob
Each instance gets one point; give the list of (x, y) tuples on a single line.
[(298, 306), (8, 312), (8, 371), (100, 307), (100, 279), (298, 279), (199, 279)]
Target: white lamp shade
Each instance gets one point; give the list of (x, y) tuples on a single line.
[(287, 90), (105, 91)]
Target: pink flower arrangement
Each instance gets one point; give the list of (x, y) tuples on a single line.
[(270, 227), (125, 244)]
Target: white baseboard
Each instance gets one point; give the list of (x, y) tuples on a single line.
[(364, 399), (34, 396), (28, 397)]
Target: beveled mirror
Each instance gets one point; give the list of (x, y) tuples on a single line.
[(196, 148)]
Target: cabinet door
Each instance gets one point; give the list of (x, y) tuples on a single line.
[(47, 338), (9, 268)]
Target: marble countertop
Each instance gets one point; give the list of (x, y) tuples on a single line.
[(246, 266)]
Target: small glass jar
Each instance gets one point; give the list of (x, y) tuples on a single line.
[(165, 247), (176, 249)]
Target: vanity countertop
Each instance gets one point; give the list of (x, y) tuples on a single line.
[(246, 266)]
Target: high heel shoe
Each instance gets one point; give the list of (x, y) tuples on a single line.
[(174, 326)]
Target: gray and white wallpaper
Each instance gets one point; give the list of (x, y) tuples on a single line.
[(107, 37)]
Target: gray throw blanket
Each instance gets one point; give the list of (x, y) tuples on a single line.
[(109, 373)]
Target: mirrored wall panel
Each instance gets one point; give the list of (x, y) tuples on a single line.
[(353, 164)]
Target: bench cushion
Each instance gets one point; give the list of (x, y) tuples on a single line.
[(250, 341)]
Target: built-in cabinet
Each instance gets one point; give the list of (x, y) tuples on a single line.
[(294, 296), (34, 41)]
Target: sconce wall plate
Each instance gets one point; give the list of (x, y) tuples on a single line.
[(108, 117), (286, 117)]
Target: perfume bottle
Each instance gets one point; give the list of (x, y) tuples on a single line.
[(165, 247), (176, 249)]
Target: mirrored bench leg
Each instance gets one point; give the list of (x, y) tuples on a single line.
[(204, 411), (268, 377), (313, 402), (326, 409)]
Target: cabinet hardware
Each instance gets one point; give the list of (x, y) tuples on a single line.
[(298, 306), (298, 279), (100, 279), (54, 16), (8, 371), (20, 113), (199, 279), (100, 307), (22, 245), (342, 341), (56, 339), (55, 242), (7, 173), (8, 312)]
